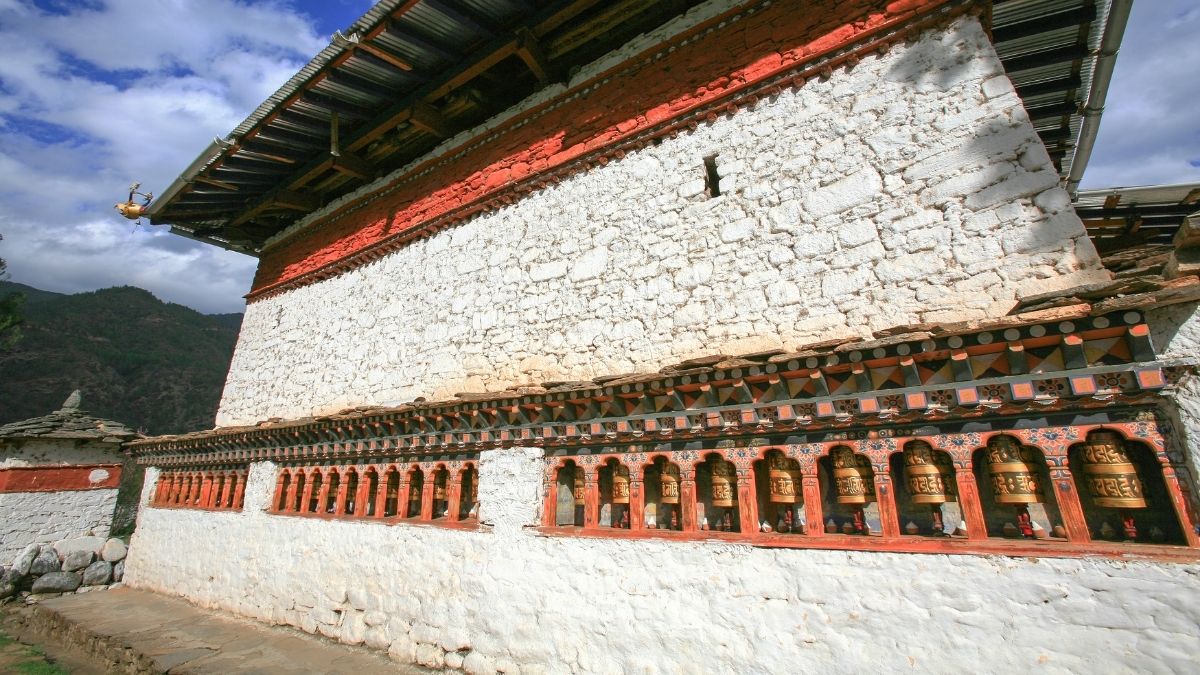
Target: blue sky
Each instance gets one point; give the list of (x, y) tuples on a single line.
[(97, 93)]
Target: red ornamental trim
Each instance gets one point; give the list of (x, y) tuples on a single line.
[(793, 42), (60, 478)]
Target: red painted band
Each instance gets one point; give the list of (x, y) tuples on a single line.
[(60, 478), (646, 93)]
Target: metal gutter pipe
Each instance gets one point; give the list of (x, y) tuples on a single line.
[(1106, 60)]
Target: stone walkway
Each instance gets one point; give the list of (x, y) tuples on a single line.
[(135, 631)]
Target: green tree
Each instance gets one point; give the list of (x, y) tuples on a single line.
[(10, 312)]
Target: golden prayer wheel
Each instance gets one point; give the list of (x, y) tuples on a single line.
[(1109, 474), (1014, 472), (474, 486), (930, 481), (724, 484), (620, 485), (783, 476), (668, 482), (578, 486), (439, 487), (852, 477)]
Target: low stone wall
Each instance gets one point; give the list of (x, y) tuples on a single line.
[(507, 598), (66, 566), (34, 517)]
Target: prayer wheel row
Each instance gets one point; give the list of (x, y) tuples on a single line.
[(1109, 473)]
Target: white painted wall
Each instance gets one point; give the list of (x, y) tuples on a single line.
[(512, 600), (57, 452), (912, 188), (1175, 333), (46, 517)]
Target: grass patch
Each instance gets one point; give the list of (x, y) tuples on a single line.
[(38, 668)]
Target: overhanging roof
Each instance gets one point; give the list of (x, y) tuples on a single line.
[(411, 73), (1121, 217)]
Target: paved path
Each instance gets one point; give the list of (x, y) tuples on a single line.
[(155, 633)]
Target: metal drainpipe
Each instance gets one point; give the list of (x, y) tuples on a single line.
[(1106, 60)]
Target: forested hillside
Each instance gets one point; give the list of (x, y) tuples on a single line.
[(155, 366)]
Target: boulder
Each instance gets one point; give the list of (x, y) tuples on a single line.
[(77, 560), (98, 573), (8, 583), (25, 558), (90, 544), (57, 582), (45, 563), (118, 571), (114, 550)]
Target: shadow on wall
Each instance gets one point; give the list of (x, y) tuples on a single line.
[(128, 493)]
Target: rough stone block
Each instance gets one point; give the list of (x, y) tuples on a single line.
[(98, 573), (114, 550), (89, 544), (25, 558), (57, 582), (45, 563), (118, 571), (1183, 262), (77, 560)]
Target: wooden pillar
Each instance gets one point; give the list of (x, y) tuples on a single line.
[(205, 494), (1069, 505), (339, 503), (454, 497), (404, 484), (293, 487), (969, 504), (637, 503), (381, 492), (550, 499), (280, 494), (889, 514), (687, 500), (427, 497), (747, 502), (1175, 490), (239, 495), (591, 499), (363, 494), (323, 494), (306, 496), (814, 514)]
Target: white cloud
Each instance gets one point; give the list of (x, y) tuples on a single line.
[(121, 91), (1150, 132)]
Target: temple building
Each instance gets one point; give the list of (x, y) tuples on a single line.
[(691, 336)]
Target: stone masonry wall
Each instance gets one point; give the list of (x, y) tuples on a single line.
[(511, 600), (1175, 333), (57, 451), (41, 517), (910, 188)]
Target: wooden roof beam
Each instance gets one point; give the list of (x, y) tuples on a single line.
[(530, 51), (385, 56), (428, 118), (349, 164)]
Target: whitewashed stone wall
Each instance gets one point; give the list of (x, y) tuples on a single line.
[(512, 600), (44, 517), (56, 452), (912, 188), (1175, 332)]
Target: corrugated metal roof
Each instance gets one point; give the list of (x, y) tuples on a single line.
[(401, 50)]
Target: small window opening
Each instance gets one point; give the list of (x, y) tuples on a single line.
[(712, 180)]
